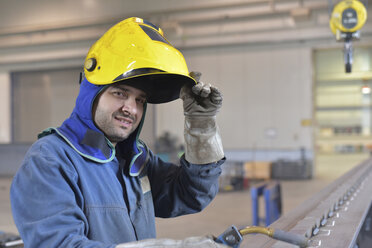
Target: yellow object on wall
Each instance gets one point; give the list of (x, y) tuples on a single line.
[(348, 16)]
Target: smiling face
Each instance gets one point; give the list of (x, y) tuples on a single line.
[(118, 111)]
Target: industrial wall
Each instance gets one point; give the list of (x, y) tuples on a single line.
[(267, 93)]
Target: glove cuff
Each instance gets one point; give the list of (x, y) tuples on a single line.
[(203, 141)]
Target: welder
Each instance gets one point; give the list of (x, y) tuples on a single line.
[(91, 182)]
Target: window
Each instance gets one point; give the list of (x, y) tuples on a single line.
[(153, 34)]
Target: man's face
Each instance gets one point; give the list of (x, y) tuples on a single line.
[(118, 110)]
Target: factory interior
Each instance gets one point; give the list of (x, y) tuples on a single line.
[(295, 123)]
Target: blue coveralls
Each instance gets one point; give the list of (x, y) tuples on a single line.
[(74, 189)]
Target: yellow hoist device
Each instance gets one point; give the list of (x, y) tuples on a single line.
[(347, 18)]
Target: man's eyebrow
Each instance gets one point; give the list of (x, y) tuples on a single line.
[(119, 88), (123, 88)]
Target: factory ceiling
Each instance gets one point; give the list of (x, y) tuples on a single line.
[(194, 24)]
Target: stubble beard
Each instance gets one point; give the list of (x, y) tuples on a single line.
[(112, 131)]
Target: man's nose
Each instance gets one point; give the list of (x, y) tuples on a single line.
[(130, 105)]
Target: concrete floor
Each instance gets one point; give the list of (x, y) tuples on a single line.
[(228, 207)]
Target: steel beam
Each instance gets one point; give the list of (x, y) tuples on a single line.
[(331, 218)]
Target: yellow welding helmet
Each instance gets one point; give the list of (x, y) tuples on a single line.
[(136, 53)]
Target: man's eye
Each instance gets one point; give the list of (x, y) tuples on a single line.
[(118, 93), (141, 100)]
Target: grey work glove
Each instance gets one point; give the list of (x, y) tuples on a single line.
[(201, 104), (192, 242)]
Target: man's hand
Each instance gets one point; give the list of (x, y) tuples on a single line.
[(201, 100), (201, 103)]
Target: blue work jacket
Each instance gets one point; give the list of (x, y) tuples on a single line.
[(61, 199), (74, 189)]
